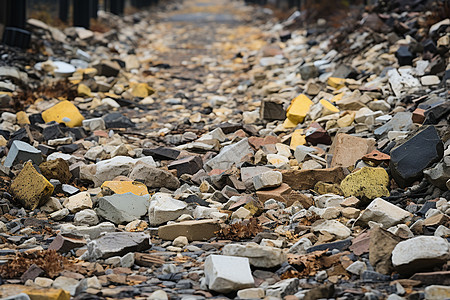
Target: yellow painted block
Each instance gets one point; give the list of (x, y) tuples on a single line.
[(122, 187), (141, 90), (299, 108), (297, 139), (84, 91), (335, 82), (346, 120), (47, 294), (30, 188), (328, 108), (289, 124), (366, 183), (63, 112), (22, 118)]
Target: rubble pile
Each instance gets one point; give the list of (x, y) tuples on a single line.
[(196, 152)]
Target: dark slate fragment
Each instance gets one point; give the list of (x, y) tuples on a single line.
[(162, 153), (339, 245), (117, 120), (404, 56), (188, 165), (408, 160)]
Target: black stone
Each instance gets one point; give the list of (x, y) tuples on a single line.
[(229, 128), (404, 56), (339, 245), (427, 206), (409, 159), (272, 110), (57, 185), (162, 153), (36, 119), (76, 133), (189, 165), (434, 114), (71, 148), (6, 134), (52, 131), (372, 276), (197, 200), (117, 120), (429, 46), (46, 150)]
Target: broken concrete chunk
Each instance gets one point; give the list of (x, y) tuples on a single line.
[(122, 208), (226, 274), (258, 256), (164, 208)]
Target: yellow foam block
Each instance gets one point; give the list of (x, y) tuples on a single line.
[(22, 118), (63, 112), (335, 82), (299, 108), (122, 187)]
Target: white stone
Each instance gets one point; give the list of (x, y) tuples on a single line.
[(164, 208), (283, 149), (328, 200), (357, 267), (300, 246), (437, 292), (430, 80), (67, 284), (332, 227), (51, 205), (311, 165), (259, 256), (229, 155), (158, 295), (383, 212), (127, 261), (225, 274), (302, 151), (59, 214), (86, 217), (251, 293), (270, 179), (43, 282), (180, 241), (423, 249), (107, 169), (283, 288), (277, 160), (241, 213), (78, 202), (92, 232)]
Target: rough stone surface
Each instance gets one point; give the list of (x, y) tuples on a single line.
[(164, 208), (420, 253), (122, 208), (225, 274), (258, 256), (198, 230), (383, 212)]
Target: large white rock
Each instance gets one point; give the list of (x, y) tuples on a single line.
[(259, 256), (226, 274), (383, 212), (437, 292), (269, 179), (422, 252), (332, 227), (229, 155), (164, 208)]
